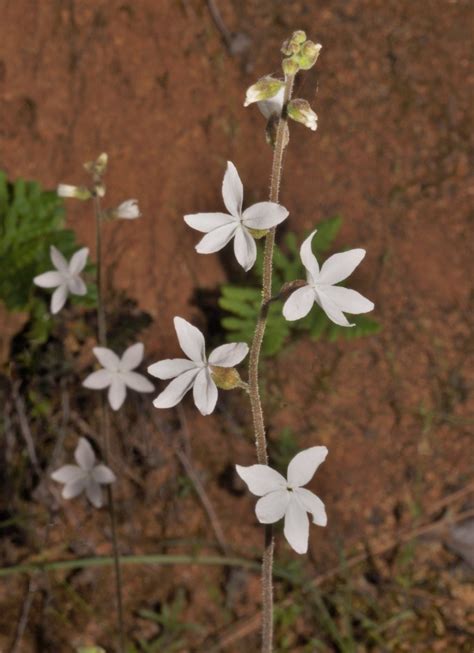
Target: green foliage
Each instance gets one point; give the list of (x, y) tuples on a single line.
[(283, 449), (31, 220), (242, 303)]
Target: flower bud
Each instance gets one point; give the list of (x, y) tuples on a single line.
[(301, 111), (99, 189), (266, 88), (290, 66), (308, 55), (290, 48), (78, 192), (226, 378), (127, 210), (98, 167), (298, 37)]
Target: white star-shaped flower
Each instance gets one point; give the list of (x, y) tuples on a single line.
[(117, 374), (220, 228), (196, 370), (321, 288), (65, 278), (85, 476), (288, 498)]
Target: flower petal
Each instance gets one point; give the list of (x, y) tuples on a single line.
[(117, 392), (312, 504), (308, 259), (77, 286), (207, 222), (339, 266), (205, 392), (272, 507), (84, 455), (245, 249), (264, 215), (78, 261), (216, 239), (299, 303), (74, 488), (102, 474), (98, 380), (332, 310), (94, 493), (132, 357), (171, 367), (349, 301), (272, 105), (232, 190), (58, 298), (68, 474), (229, 355), (303, 466), (49, 279), (261, 479), (58, 260), (137, 382), (190, 340), (296, 528), (175, 391), (107, 358)]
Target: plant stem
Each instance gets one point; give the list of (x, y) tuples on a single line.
[(254, 359), (105, 423)]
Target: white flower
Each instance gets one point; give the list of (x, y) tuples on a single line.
[(272, 105), (117, 374), (85, 476), (79, 192), (65, 278), (321, 288), (220, 228), (194, 371), (287, 498), (128, 210)]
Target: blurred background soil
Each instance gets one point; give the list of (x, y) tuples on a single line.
[(159, 86)]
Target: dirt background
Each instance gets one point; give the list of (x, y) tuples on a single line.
[(155, 85)]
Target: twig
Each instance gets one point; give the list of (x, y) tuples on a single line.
[(23, 621), (25, 427), (219, 23)]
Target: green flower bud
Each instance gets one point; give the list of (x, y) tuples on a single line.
[(99, 189), (298, 37), (78, 192), (290, 67), (301, 111), (226, 378), (266, 88), (308, 55), (290, 47)]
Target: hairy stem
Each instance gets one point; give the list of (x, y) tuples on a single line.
[(254, 360), (105, 424)]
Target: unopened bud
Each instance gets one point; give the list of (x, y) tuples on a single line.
[(290, 48), (226, 378), (308, 55), (98, 167), (266, 88), (301, 111), (78, 192), (127, 210), (299, 36), (290, 66), (99, 189)]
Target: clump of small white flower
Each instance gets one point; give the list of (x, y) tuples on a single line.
[(65, 278)]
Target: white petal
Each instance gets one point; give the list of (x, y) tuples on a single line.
[(303, 466), (264, 215), (68, 474), (206, 222), (296, 526), (339, 266), (73, 489), (229, 355), (137, 382), (94, 493), (232, 190), (132, 357), (107, 358), (245, 249), (349, 301), (77, 286), (272, 507), (175, 391), (58, 260), (102, 474), (171, 367), (272, 105), (216, 239), (308, 259), (332, 310), (190, 340), (84, 455), (59, 298), (49, 279), (312, 504), (299, 303), (261, 479), (117, 392), (205, 392), (98, 380), (128, 210), (78, 261)]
